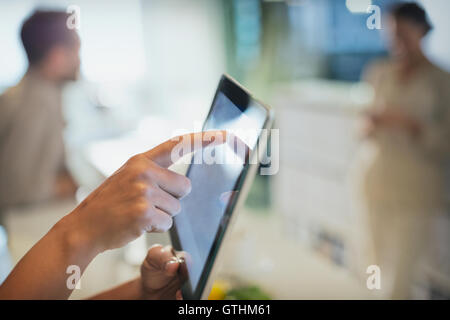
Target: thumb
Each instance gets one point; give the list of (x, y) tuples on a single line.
[(164, 156), (171, 267)]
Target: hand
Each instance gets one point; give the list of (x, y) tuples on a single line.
[(163, 273), (142, 196), (395, 119)]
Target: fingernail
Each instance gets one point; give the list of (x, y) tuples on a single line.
[(170, 262)]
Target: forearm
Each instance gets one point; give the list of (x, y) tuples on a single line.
[(65, 185), (131, 290), (41, 273)]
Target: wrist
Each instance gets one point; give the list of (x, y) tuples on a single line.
[(75, 238)]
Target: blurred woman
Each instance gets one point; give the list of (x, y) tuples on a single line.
[(407, 145)]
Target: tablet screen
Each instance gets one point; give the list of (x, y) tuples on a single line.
[(206, 210)]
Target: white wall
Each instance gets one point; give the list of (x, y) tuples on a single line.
[(111, 34), (185, 54), (438, 45), (12, 57)]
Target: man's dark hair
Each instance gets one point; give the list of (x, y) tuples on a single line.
[(412, 12), (42, 31)]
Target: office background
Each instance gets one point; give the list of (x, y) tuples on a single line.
[(152, 66)]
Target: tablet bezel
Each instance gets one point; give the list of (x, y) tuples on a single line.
[(240, 97)]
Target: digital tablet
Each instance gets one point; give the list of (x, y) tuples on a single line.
[(218, 189)]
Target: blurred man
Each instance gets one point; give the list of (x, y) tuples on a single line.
[(408, 131), (31, 123)]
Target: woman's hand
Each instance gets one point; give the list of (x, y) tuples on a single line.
[(162, 273), (394, 119), (142, 196)]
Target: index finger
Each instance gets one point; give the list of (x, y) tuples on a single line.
[(164, 156)]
